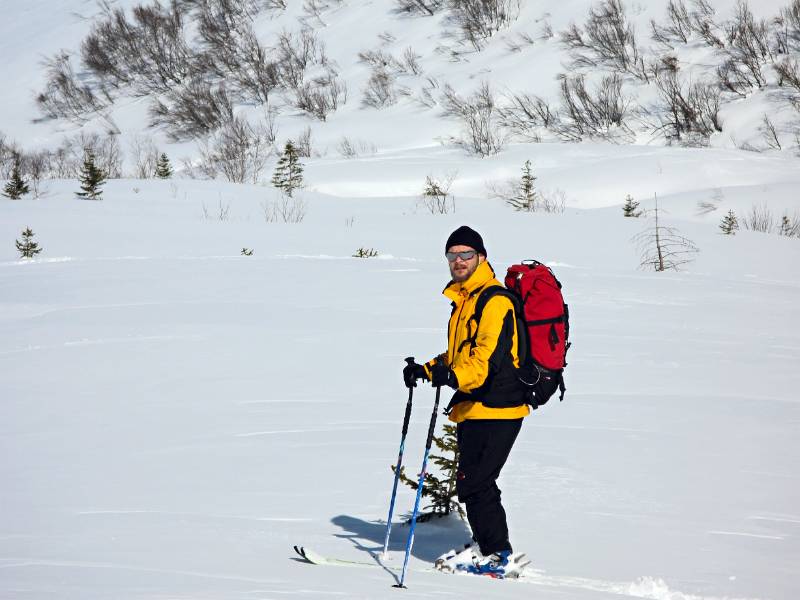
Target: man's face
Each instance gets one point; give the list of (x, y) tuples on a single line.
[(460, 268)]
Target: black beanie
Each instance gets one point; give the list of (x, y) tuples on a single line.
[(466, 236)]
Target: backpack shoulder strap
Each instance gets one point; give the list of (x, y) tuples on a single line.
[(488, 294), (483, 299)]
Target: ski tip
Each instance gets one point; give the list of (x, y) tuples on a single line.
[(301, 551)]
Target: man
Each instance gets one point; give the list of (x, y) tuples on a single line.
[(489, 403)]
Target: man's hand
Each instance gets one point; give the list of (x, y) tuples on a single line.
[(411, 372), (441, 375)]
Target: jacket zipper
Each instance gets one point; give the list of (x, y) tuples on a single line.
[(458, 318)]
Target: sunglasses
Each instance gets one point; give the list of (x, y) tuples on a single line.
[(465, 255)]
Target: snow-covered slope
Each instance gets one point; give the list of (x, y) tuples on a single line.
[(519, 58), (174, 416)]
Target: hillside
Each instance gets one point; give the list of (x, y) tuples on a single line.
[(175, 414)]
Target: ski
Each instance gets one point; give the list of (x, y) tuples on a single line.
[(311, 557), (318, 559)]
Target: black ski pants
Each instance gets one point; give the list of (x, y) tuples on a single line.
[(483, 447)]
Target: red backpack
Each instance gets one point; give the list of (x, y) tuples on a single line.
[(542, 326)]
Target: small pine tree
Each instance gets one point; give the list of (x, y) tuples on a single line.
[(27, 247), (630, 206), (730, 224), (288, 174), (163, 167), (92, 178), (365, 253), (526, 196), (786, 226), (441, 490), (16, 187)]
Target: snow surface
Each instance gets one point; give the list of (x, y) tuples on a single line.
[(175, 416)]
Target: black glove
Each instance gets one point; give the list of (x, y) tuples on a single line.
[(441, 375), (411, 372)]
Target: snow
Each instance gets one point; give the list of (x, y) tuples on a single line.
[(175, 416)]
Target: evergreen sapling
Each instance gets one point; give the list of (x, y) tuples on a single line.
[(630, 206), (440, 490), (526, 196), (288, 174), (788, 227), (730, 224), (92, 178), (16, 186), (27, 247), (163, 167)]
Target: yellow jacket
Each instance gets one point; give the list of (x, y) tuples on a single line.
[(487, 382)]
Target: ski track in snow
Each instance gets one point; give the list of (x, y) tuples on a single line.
[(292, 431), (194, 515), (751, 535), (104, 341)]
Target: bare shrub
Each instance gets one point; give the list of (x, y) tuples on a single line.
[(607, 39), (552, 200), (106, 151), (688, 112), (436, 197), (144, 155), (517, 42), (788, 72), (770, 133), (37, 167), (600, 115), (303, 144), (523, 114), (354, 148), (296, 53), (481, 19), (411, 61), (285, 209), (788, 28), (222, 213), (748, 51), (65, 96), (232, 50), (239, 151), (662, 248), (423, 7), (380, 91), (321, 96), (9, 151), (378, 59), (479, 117), (193, 111), (314, 9), (679, 27), (426, 97), (760, 218), (150, 51)]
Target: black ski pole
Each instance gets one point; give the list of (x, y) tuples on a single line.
[(420, 483), (409, 360)]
